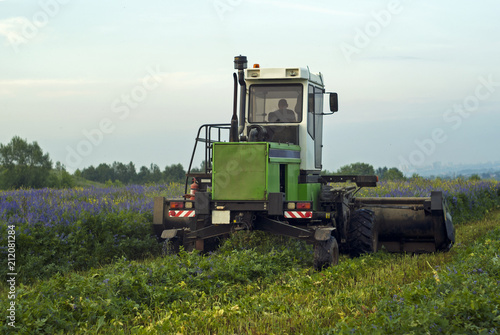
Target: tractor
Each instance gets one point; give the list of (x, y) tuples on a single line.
[(262, 171)]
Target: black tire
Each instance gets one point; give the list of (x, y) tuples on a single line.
[(326, 253), (211, 244), (362, 235)]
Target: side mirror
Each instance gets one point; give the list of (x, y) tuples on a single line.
[(334, 102)]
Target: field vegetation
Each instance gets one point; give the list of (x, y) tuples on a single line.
[(87, 263)]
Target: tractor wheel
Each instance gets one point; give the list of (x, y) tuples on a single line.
[(204, 246), (362, 236), (212, 244), (326, 253)]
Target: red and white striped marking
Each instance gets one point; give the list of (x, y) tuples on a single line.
[(298, 215), (181, 214)]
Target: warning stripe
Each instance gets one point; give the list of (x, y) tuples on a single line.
[(181, 214), (298, 215)]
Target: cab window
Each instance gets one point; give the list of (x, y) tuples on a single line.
[(275, 103)]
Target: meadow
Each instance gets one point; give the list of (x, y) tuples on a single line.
[(86, 263)]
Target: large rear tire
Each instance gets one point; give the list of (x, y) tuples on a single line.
[(326, 253), (362, 236)]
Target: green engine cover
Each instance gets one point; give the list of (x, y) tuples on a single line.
[(239, 171)]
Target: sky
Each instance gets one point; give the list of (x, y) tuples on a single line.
[(103, 81)]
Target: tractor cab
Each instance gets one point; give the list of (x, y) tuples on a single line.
[(285, 105), (280, 116)]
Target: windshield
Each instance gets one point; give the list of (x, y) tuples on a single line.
[(275, 103)]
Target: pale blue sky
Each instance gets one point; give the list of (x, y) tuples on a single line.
[(418, 82)]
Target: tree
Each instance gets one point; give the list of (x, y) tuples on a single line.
[(389, 174), (104, 172), (131, 173), (380, 172), (151, 175), (60, 178), (356, 169), (78, 173), (89, 173), (120, 172), (175, 173), (201, 168), (143, 175), (23, 164), (156, 174), (394, 174), (416, 176)]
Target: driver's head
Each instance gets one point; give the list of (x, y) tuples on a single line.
[(282, 104)]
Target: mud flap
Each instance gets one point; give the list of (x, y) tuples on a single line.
[(169, 233), (323, 234)]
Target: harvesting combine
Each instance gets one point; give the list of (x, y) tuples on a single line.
[(267, 177)]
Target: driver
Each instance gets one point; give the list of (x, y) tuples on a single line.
[(283, 114)]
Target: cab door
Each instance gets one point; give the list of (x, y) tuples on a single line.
[(315, 122)]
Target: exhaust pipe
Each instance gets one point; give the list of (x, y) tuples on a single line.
[(240, 64), (233, 134)]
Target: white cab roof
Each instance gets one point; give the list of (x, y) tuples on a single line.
[(283, 73)]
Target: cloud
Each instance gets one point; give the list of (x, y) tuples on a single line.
[(12, 28)]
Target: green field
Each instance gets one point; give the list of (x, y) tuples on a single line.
[(254, 284)]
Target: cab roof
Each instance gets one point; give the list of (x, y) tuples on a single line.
[(255, 74)]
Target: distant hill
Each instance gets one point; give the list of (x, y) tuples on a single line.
[(490, 170)]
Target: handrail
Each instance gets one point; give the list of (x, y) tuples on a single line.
[(208, 147)]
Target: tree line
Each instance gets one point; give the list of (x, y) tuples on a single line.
[(121, 173), (24, 164), (383, 173)]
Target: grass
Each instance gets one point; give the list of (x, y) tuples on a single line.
[(259, 284), (82, 182), (87, 264)]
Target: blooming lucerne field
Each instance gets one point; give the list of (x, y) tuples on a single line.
[(87, 262)]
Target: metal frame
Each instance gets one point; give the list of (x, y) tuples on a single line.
[(208, 146)]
